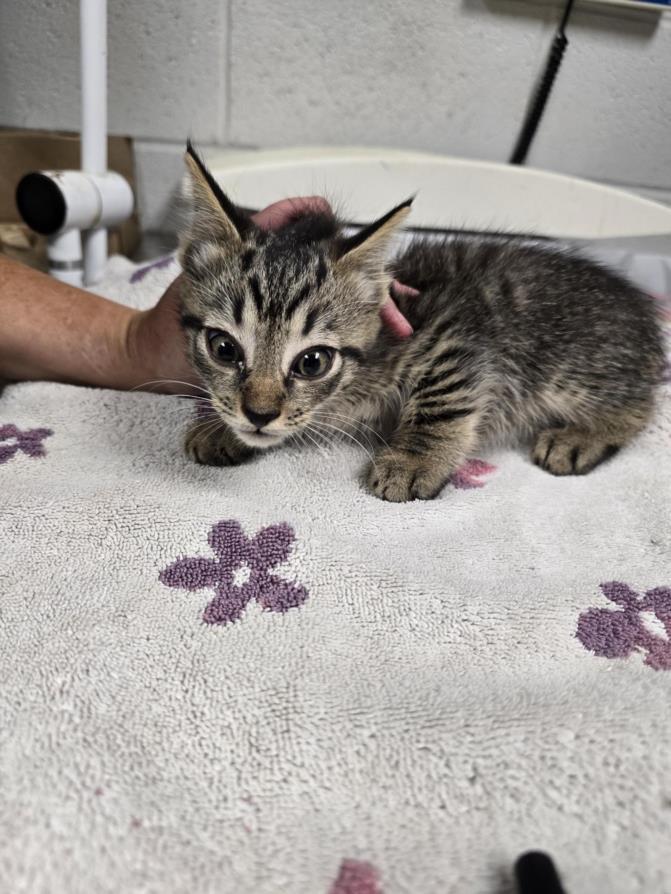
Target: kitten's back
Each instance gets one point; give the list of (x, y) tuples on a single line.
[(539, 306)]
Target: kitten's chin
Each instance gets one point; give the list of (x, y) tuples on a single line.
[(259, 440)]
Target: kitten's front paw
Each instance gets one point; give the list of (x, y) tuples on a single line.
[(398, 476), (214, 448)]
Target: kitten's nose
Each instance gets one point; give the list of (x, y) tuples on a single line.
[(259, 419)]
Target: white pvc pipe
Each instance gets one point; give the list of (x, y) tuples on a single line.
[(90, 200), (65, 257), (65, 205), (93, 33)]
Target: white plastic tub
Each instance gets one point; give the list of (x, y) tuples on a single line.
[(451, 192)]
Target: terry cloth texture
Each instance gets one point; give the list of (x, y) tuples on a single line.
[(263, 680)]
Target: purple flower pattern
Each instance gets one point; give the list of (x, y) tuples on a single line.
[(240, 572), (28, 442), (616, 634), (139, 274)]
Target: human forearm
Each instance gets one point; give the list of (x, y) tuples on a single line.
[(50, 330)]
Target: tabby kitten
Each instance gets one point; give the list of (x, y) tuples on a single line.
[(510, 339)]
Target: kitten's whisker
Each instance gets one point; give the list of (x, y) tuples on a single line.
[(322, 439), (211, 414), (313, 441), (208, 408), (353, 434), (342, 420), (350, 436), (183, 396), (206, 432), (201, 403), (208, 426), (170, 382), (320, 447), (301, 436), (352, 421)]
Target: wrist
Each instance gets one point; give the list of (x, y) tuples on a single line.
[(154, 347), (134, 362)]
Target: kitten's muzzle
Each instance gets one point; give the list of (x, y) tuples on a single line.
[(259, 418)]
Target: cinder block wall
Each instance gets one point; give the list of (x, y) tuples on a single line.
[(450, 76)]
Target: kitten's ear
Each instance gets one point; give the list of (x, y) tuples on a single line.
[(214, 216), (367, 249)]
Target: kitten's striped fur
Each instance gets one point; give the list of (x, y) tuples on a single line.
[(510, 340)]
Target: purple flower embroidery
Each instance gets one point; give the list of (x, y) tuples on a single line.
[(29, 442), (240, 572), (356, 878), (141, 272), (616, 634), (467, 476)]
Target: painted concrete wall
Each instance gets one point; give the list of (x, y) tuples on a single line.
[(451, 76)]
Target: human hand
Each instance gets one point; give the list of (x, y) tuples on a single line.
[(154, 342)]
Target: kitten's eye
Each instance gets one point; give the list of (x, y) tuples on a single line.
[(313, 363), (223, 348)]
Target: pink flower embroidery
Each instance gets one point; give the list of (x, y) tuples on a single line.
[(468, 476), (356, 878)]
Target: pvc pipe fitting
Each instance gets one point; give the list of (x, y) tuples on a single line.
[(55, 202)]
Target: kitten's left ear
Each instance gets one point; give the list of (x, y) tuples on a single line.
[(367, 249), (214, 216)]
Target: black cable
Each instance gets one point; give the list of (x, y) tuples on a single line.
[(540, 98)]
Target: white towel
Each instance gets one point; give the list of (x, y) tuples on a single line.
[(263, 680)]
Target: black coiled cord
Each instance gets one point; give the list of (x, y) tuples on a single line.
[(537, 105)]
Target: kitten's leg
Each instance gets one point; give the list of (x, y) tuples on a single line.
[(214, 447), (576, 450), (423, 453)]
